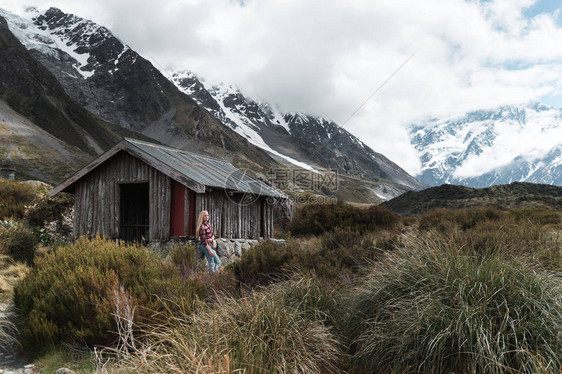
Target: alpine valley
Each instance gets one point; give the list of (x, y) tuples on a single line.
[(126, 95)]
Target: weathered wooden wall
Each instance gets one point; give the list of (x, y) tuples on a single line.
[(97, 203), (97, 200), (229, 218)]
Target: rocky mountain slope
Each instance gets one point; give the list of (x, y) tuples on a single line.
[(507, 196), (304, 140), (115, 83), (483, 148), (45, 133)]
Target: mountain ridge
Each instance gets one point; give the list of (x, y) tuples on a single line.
[(515, 195), (488, 147)]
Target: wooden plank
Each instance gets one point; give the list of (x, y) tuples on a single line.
[(77, 211), (152, 207), (167, 207)]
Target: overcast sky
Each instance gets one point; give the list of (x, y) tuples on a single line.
[(326, 57)]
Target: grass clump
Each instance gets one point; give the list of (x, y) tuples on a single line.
[(263, 263), (58, 357), (275, 331), (14, 197), (539, 216), (435, 308), (19, 243), (73, 291), (444, 220), (183, 256), (11, 273)]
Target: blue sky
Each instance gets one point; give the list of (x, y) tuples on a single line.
[(544, 6)]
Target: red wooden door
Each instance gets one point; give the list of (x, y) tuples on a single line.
[(177, 209), (191, 216)]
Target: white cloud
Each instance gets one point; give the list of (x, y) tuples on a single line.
[(533, 141), (325, 57)]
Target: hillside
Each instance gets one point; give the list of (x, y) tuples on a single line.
[(116, 84), (507, 196), (46, 134), (113, 82)]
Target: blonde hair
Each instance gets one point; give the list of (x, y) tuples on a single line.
[(200, 221)]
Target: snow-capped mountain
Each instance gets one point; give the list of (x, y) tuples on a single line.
[(483, 148), (115, 83), (294, 136)]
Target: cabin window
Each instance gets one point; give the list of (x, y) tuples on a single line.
[(134, 220)]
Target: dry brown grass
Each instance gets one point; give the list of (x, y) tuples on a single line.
[(11, 272)]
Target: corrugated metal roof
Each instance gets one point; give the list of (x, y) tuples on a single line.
[(205, 170)]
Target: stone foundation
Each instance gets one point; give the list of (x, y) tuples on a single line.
[(227, 249)]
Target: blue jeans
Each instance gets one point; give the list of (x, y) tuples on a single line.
[(214, 261)]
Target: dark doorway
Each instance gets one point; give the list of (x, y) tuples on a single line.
[(134, 212)]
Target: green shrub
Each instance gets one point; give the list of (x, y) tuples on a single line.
[(540, 216), (445, 220), (342, 254), (263, 263), (267, 332), (183, 256), (19, 243), (523, 239), (315, 219), (48, 208), (72, 292), (434, 308), (14, 197)]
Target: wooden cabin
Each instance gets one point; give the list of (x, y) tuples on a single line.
[(143, 191)]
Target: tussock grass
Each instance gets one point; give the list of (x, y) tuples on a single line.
[(11, 273), (281, 330), (436, 308), (14, 197), (18, 242)]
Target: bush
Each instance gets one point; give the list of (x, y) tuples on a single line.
[(19, 243), (183, 256), (540, 216), (433, 308), (445, 220), (263, 263), (14, 196), (342, 254), (315, 219), (72, 292), (515, 239), (268, 332), (48, 208)]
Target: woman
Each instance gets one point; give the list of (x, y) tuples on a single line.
[(206, 236)]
